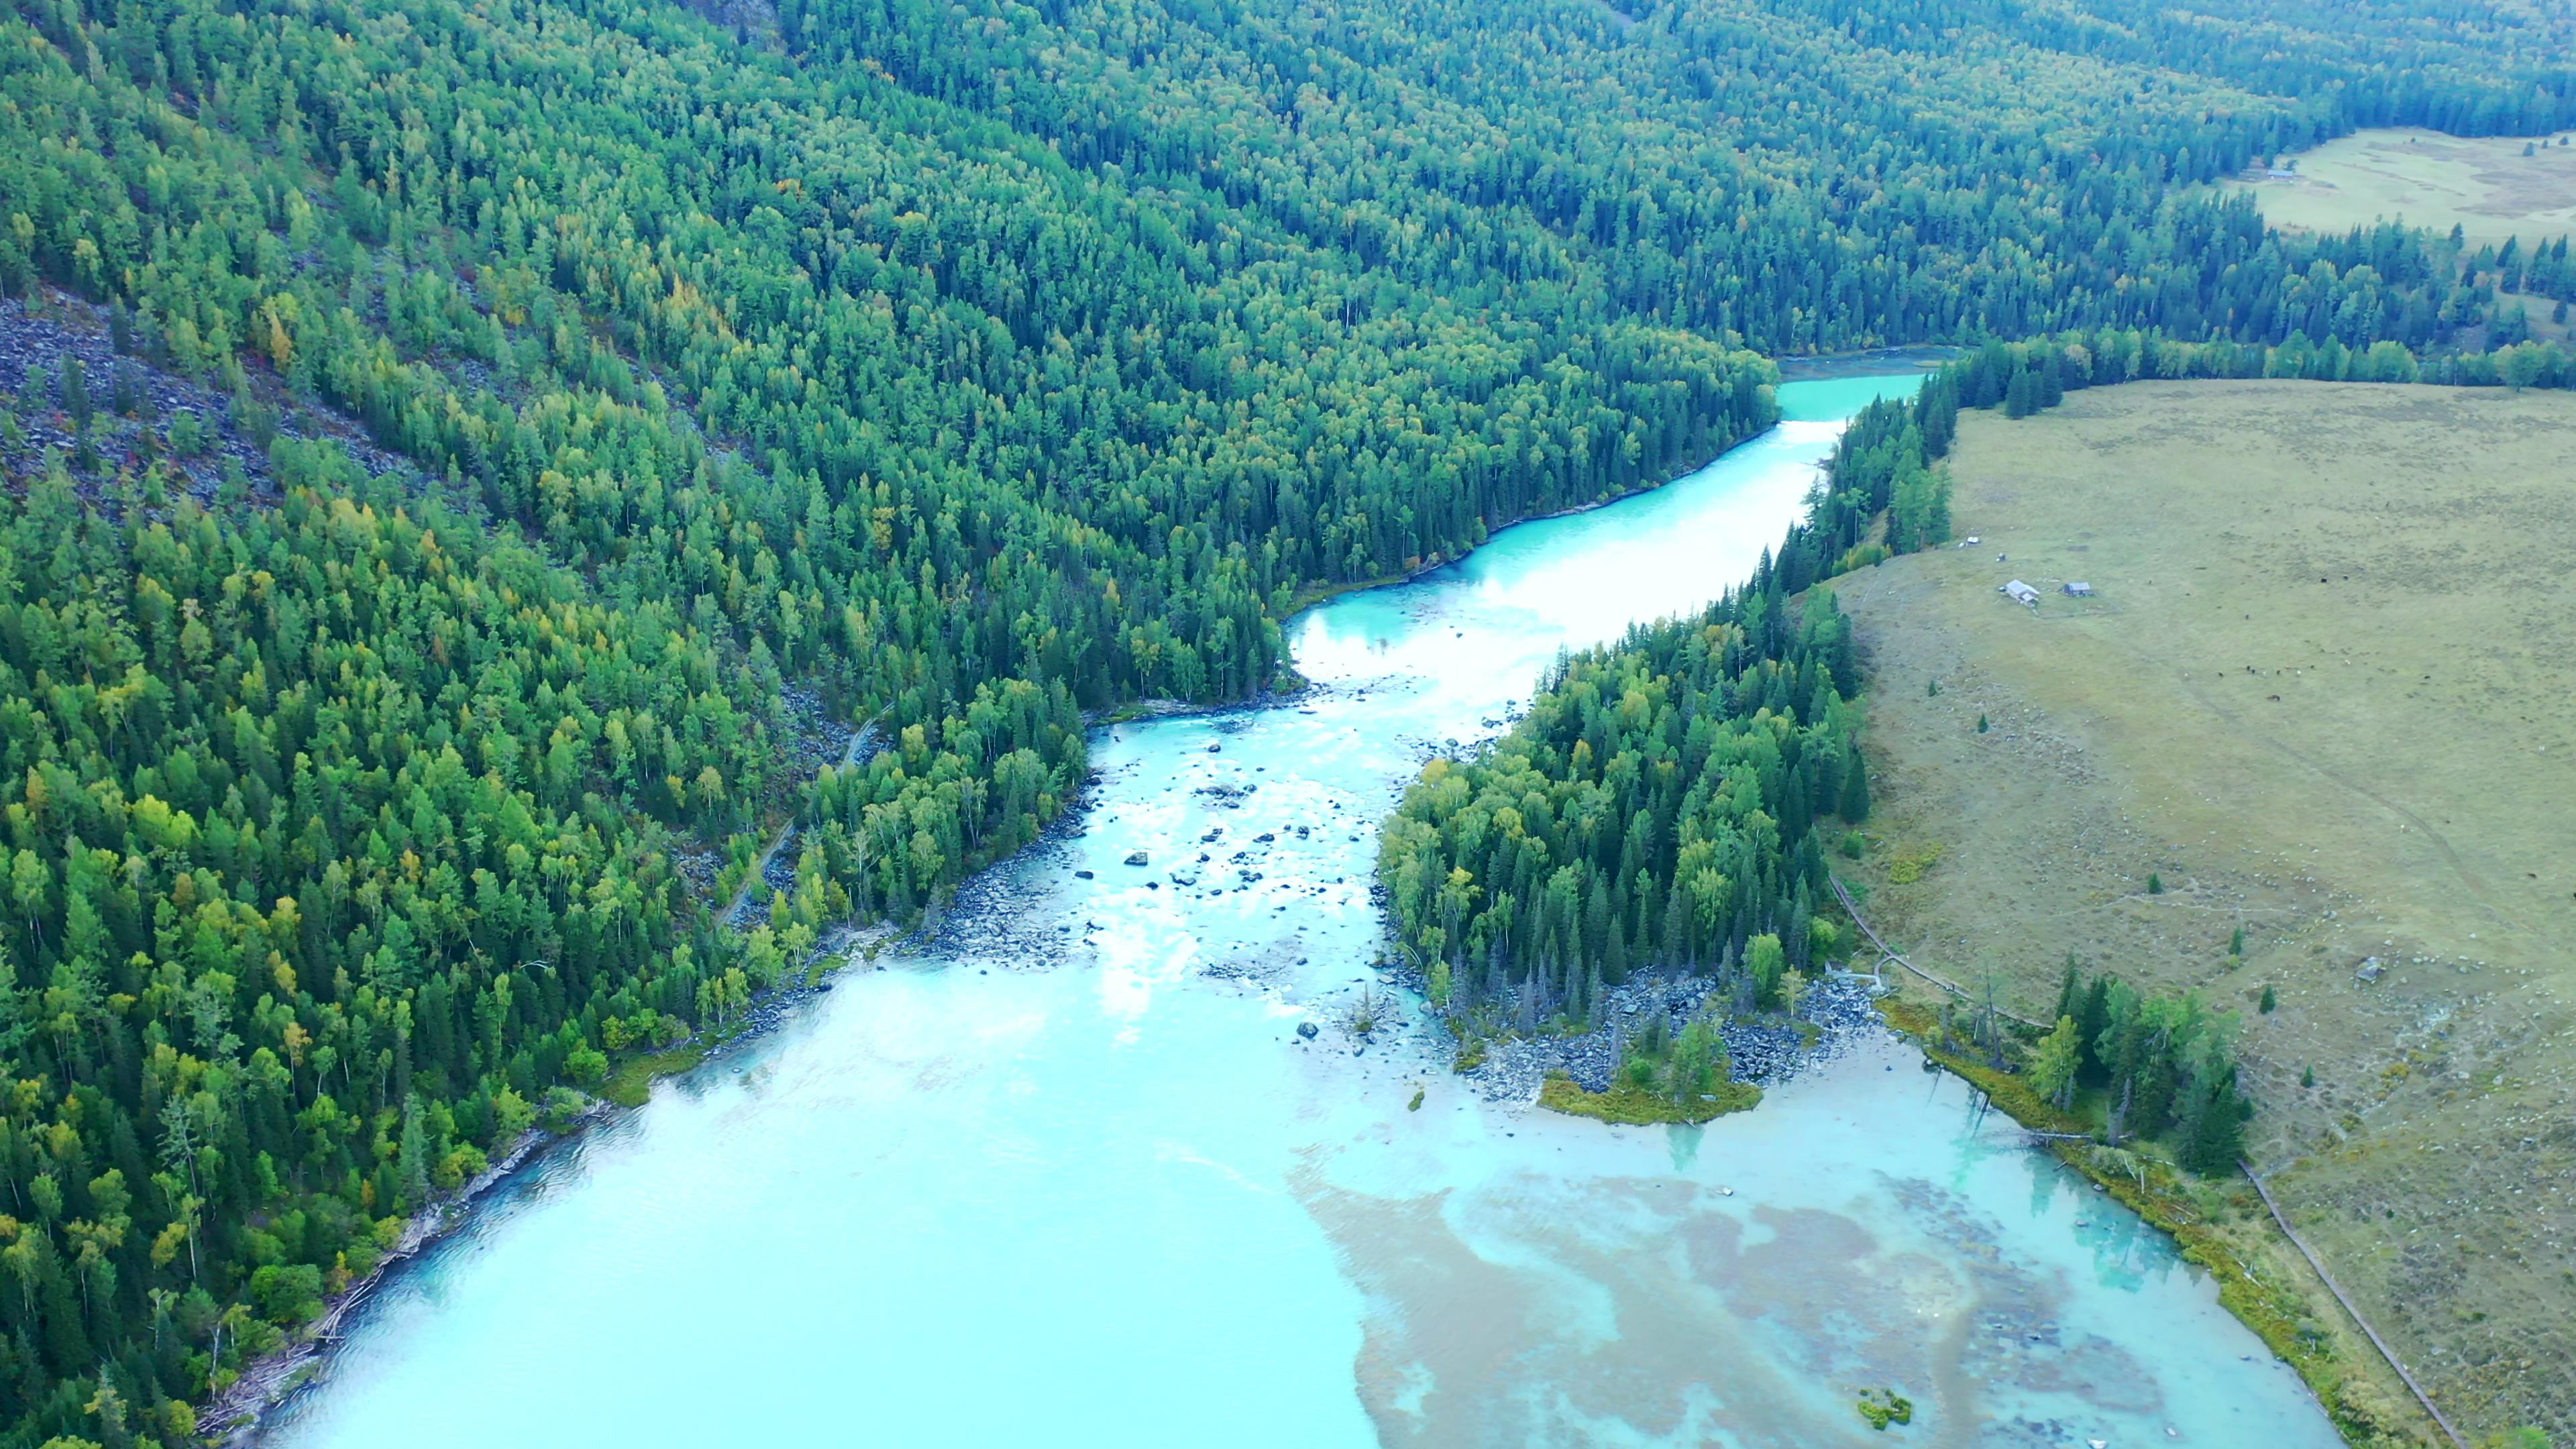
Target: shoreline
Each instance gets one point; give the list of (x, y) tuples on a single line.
[(1143, 711), (1316, 594), (1766, 1050), (1865, 362), (242, 1409), (2271, 1311), (237, 1415)]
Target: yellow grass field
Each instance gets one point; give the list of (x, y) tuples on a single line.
[(2326, 691), (2483, 185)]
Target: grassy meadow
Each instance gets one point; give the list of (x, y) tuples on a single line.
[(2322, 696), (2483, 185)]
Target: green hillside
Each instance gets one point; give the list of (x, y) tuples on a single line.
[(469, 466)]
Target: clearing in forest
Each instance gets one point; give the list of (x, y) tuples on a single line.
[(2485, 185), (2321, 694)]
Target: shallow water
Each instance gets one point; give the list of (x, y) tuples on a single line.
[(1074, 1179)]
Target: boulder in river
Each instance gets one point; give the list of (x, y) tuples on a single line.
[(1306, 1029), (1135, 857)]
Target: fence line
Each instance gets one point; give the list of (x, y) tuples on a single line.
[(2332, 1287), (1892, 954)]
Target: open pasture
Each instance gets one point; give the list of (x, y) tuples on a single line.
[(2321, 694), (2484, 185)]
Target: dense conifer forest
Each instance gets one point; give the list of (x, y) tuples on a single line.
[(467, 463), (1675, 801)]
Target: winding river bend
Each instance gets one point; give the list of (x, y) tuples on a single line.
[(1074, 1179)]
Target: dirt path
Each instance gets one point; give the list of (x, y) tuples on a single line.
[(861, 739), (2237, 721), (2363, 1323)]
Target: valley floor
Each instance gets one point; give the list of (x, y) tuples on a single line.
[(2319, 694)]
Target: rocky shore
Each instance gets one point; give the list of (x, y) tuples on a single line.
[(1834, 1015)]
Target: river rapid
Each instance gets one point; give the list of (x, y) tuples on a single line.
[(1072, 1177)]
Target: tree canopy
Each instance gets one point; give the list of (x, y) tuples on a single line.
[(518, 424)]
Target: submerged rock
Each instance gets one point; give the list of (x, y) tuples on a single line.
[(1136, 857)]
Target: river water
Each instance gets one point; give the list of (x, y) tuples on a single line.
[(1073, 1178)]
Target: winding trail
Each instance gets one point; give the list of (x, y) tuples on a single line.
[(2474, 884), (860, 739)]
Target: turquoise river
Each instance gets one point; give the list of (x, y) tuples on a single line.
[(1073, 1178)]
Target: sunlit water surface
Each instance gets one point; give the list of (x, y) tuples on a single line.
[(1076, 1181)]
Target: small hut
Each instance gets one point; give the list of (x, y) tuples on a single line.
[(2079, 591), (2020, 593)]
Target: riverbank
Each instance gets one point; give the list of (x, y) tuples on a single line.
[(1136, 711), (237, 1413), (1317, 594), (2221, 1227), (242, 1408), (978, 911), (1869, 362), (1499, 1064)]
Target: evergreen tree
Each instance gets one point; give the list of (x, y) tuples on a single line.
[(75, 393), (1855, 802), (2022, 395)]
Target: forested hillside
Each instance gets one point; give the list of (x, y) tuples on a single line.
[(957, 368), (1808, 176)]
